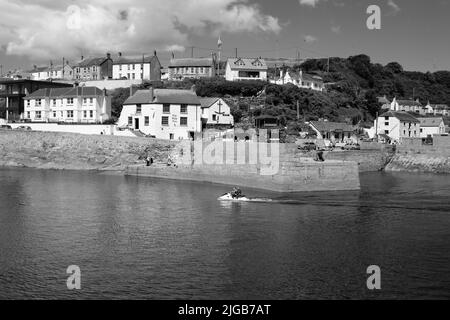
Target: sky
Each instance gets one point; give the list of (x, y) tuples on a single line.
[(413, 32)]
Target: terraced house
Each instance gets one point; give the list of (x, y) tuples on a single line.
[(196, 68), (141, 68), (92, 69), (68, 105)]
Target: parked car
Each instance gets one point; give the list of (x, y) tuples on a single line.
[(308, 146), (23, 128), (5, 127), (352, 147)]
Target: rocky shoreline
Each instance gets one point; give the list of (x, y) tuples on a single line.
[(63, 151)]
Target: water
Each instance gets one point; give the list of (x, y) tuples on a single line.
[(155, 239)]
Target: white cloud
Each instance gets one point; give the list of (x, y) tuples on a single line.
[(395, 8), (310, 39), (336, 29), (39, 29), (311, 3)]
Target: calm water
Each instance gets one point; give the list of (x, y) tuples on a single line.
[(139, 238)]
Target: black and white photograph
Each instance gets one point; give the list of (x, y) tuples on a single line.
[(243, 151)]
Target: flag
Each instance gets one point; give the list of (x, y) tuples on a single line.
[(219, 43)]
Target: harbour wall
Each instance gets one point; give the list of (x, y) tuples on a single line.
[(285, 173), (415, 156)]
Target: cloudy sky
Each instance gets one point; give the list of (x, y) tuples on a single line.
[(413, 32)]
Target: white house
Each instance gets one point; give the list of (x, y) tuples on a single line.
[(300, 79), (216, 112), (408, 106), (52, 72), (397, 125), (163, 113), (438, 109), (143, 68), (68, 105), (333, 131), (431, 126), (246, 69)]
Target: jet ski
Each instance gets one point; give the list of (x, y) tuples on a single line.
[(229, 197)]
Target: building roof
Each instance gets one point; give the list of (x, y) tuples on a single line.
[(191, 62), (431, 122), (327, 126), (312, 78), (135, 60), (208, 102), (402, 116), (383, 100), (440, 107), (54, 93), (250, 64), (158, 96), (409, 103), (89, 62)]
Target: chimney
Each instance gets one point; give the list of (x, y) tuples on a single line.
[(35, 67), (108, 55), (133, 90), (152, 93), (82, 58), (154, 53), (120, 54)]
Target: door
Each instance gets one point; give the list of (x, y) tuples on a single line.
[(136, 123)]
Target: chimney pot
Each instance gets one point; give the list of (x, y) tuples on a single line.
[(108, 55), (120, 54)]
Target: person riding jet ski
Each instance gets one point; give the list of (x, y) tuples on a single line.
[(236, 193)]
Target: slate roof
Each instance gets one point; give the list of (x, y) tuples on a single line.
[(402, 116), (327, 126), (160, 96), (135, 60), (208, 102), (430, 122), (191, 62), (440, 107), (91, 62), (71, 92), (249, 64), (409, 103)]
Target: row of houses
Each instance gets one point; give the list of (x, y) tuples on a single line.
[(414, 106), (101, 68), (149, 68)]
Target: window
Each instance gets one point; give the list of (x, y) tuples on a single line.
[(166, 108), (138, 108), (28, 114), (91, 100), (147, 121), (28, 103), (165, 121), (54, 114), (69, 100), (84, 100), (183, 108), (69, 113), (38, 114), (183, 121), (386, 131), (130, 121), (54, 102), (38, 102), (91, 113), (84, 114), (214, 117), (386, 123)]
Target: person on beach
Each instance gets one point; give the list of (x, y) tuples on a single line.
[(149, 161)]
